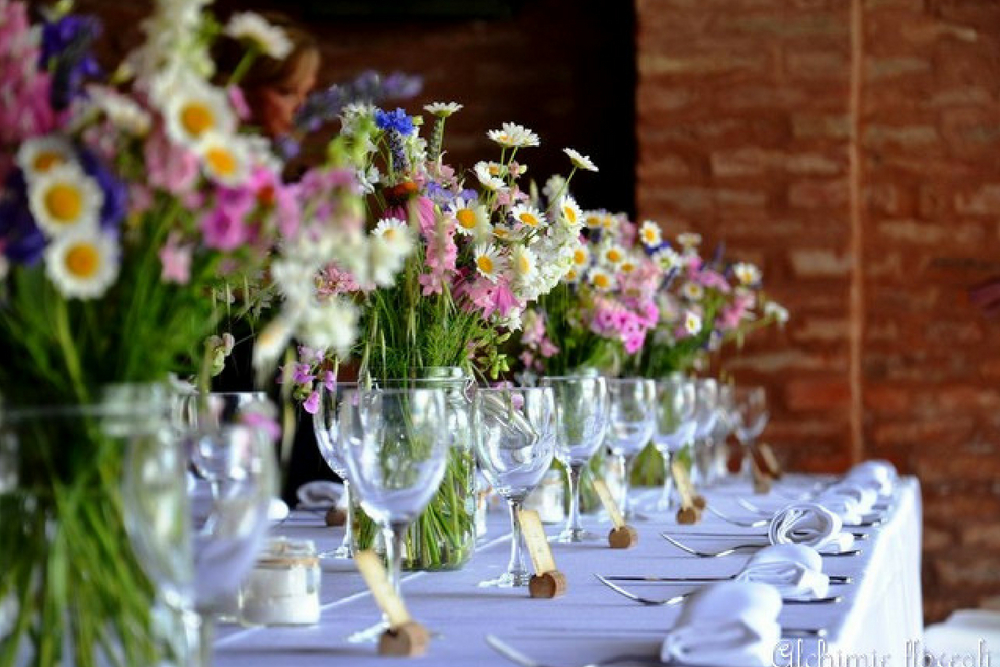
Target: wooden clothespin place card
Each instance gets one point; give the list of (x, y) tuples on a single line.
[(404, 637), (764, 467), (691, 503), (547, 582), (622, 535)]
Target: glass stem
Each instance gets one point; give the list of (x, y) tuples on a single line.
[(348, 542), (206, 634), (515, 567), (394, 533), (668, 481), (625, 465), (573, 477)]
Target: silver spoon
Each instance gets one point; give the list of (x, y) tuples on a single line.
[(680, 598), (733, 549)]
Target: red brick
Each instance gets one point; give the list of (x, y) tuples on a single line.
[(817, 194), (817, 394)]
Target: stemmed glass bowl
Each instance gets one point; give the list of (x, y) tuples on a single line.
[(631, 422), (675, 427), (327, 431), (514, 441), (581, 421)]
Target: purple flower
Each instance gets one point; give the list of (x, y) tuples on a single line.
[(311, 404), (21, 239), (330, 381), (115, 193), (325, 105), (303, 374), (66, 54)]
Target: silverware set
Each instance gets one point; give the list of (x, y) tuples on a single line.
[(868, 520), (677, 599), (739, 547)]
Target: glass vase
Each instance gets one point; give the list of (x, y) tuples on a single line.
[(73, 590), (444, 536)]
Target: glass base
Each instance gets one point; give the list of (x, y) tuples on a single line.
[(343, 552), (572, 535), (369, 635), (507, 580)]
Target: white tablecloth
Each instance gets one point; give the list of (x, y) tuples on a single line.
[(881, 611)]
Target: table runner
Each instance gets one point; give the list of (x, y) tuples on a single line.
[(880, 613)]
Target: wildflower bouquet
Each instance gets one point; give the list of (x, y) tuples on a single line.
[(602, 311), (123, 208)]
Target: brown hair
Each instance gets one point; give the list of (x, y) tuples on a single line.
[(266, 71)]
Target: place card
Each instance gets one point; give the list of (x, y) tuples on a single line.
[(405, 637), (690, 512), (762, 482), (622, 535), (547, 582), (772, 467)]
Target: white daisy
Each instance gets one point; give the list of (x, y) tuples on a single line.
[(580, 161), (667, 258), (572, 276), (64, 198), (529, 216), (123, 112), (504, 233), (692, 291), (194, 110), (472, 218), (330, 325), (512, 135), (689, 240), (602, 280), (628, 265), (581, 256), (777, 311), (747, 273), (39, 155), (523, 263), (82, 263), (489, 262), (650, 234), (570, 213), (489, 180), (613, 254), (395, 232), (692, 322), (442, 109), (225, 160), (254, 28)]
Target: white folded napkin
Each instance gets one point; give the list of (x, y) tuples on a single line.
[(320, 494), (811, 524), (796, 570), (876, 474), (851, 500), (729, 623)]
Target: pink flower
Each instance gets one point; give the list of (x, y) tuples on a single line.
[(238, 101), (275, 196), (176, 260), (710, 278), (493, 297), (223, 229), (140, 199), (548, 348), (169, 166), (311, 404), (330, 381)]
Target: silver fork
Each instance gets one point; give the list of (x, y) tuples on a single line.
[(834, 579), (736, 522), (832, 599), (869, 520), (512, 654), (857, 535), (734, 549)]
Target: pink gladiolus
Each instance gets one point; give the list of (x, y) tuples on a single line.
[(176, 260)]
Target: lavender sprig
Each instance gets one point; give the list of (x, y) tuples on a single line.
[(369, 87)]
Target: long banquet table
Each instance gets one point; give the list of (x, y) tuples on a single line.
[(879, 616)]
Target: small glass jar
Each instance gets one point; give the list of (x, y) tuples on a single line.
[(283, 588)]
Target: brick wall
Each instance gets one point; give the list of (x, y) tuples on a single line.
[(850, 147)]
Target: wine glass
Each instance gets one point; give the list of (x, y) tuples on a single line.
[(229, 525), (203, 414), (514, 441), (724, 427), (675, 426), (705, 415), (631, 422), (751, 417), (581, 421), (325, 427), (395, 444)]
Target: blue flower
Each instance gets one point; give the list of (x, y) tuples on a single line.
[(66, 54), (397, 120), (369, 87), (438, 194), (22, 240), (115, 194)]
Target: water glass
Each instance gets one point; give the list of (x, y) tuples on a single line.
[(326, 429), (675, 427), (631, 422)]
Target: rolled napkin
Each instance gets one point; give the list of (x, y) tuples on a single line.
[(320, 494), (851, 500), (810, 524), (729, 623), (794, 569), (881, 476)]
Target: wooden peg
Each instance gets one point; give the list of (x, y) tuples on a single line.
[(547, 585), (623, 537), (407, 640)]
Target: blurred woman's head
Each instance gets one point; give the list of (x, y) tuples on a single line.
[(275, 89)]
